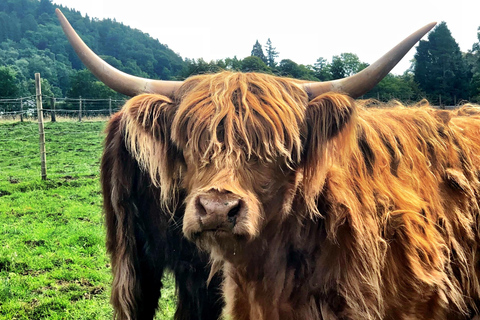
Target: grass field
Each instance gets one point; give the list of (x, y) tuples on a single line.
[(53, 263)]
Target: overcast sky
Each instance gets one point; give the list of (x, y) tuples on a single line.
[(300, 30)]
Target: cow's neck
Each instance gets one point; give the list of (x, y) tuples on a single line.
[(273, 268)]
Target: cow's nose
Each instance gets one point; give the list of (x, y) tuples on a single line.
[(219, 206)]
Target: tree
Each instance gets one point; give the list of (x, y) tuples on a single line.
[(29, 23), (344, 65), (85, 85), (473, 61), (233, 64), (257, 51), (9, 26), (272, 53), (254, 64), (47, 89), (199, 66), (337, 68), (440, 69), (288, 68), (394, 87), (47, 7), (321, 69), (8, 82)]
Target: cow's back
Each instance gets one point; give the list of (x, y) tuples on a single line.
[(411, 189)]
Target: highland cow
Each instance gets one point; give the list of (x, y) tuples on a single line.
[(309, 204), (319, 209)]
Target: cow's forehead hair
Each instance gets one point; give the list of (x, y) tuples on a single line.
[(240, 115)]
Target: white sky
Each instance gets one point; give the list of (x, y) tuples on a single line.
[(300, 30)]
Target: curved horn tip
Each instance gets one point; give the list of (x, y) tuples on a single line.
[(59, 13), (431, 24), (362, 82)]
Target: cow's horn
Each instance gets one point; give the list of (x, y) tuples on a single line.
[(112, 77), (362, 82)]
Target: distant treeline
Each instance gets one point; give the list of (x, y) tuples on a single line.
[(31, 41)]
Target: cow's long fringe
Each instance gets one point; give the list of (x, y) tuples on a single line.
[(240, 116)]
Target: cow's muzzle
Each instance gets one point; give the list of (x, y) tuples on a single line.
[(219, 211)]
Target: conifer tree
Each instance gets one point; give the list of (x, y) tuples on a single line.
[(257, 51), (272, 53), (474, 66), (440, 69)]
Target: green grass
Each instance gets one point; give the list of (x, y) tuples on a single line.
[(53, 263)]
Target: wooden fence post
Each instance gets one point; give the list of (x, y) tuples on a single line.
[(80, 109), (41, 130), (21, 109), (52, 112), (110, 106)]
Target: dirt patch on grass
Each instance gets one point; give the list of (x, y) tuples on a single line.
[(4, 193), (35, 243), (8, 265), (80, 289), (44, 310), (33, 273), (13, 180)]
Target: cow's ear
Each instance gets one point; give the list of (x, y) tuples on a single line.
[(330, 122), (147, 123)]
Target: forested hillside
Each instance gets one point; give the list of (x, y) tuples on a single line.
[(31, 40)]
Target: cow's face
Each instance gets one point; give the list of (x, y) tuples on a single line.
[(241, 148), (241, 139), (244, 138)]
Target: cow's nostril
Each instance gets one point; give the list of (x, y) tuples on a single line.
[(234, 211), (233, 214), (200, 208)]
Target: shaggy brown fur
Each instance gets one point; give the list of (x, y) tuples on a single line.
[(320, 209)]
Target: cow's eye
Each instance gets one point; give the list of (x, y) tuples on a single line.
[(266, 185)]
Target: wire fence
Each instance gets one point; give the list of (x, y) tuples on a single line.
[(25, 108), (72, 150), (32, 149)]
